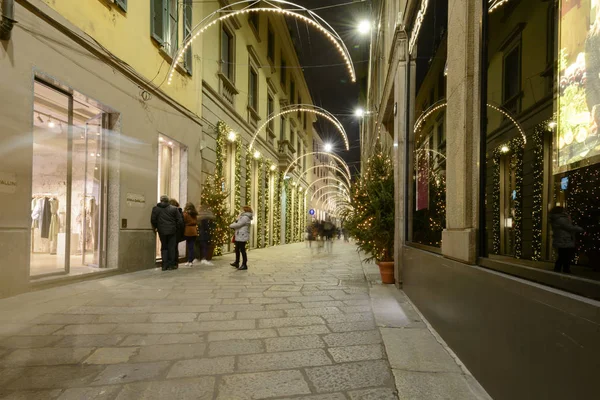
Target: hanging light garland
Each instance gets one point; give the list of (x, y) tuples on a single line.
[(248, 178), (268, 178), (296, 214), (260, 206), (238, 175), (538, 188), (277, 208), (288, 212)]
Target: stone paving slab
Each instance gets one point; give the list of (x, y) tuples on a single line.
[(305, 329)]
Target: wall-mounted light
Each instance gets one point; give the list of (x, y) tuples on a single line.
[(160, 139), (328, 147), (231, 137), (273, 167), (504, 149), (51, 123), (364, 27), (552, 124), (257, 154)]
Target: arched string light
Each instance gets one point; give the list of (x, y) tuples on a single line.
[(325, 187), (442, 103), (248, 6), (337, 158), (306, 108), (341, 171), (331, 193), (341, 182)]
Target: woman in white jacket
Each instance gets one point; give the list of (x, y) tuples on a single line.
[(242, 235)]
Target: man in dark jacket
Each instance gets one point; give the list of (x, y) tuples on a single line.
[(167, 221), (563, 238)]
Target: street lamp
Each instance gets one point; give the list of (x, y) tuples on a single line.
[(328, 147), (364, 27), (359, 112)]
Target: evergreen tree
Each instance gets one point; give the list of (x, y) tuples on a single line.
[(371, 219), (215, 198)]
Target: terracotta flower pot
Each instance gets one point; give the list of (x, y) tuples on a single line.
[(386, 269)]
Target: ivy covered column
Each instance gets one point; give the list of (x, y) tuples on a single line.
[(268, 177), (260, 205), (277, 208), (288, 212)]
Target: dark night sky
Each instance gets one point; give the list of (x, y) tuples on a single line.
[(330, 86)]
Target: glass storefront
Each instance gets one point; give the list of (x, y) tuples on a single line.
[(427, 169), (542, 147), (68, 208)]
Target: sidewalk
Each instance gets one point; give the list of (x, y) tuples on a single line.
[(298, 324)]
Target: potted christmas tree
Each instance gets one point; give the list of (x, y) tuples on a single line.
[(371, 217), (215, 198)]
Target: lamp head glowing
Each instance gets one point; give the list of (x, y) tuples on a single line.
[(231, 137), (364, 27), (273, 167), (552, 125), (504, 149), (359, 112), (257, 154), (328, 147), (51, 124)]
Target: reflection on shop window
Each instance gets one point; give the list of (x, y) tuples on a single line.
[(556, 163)]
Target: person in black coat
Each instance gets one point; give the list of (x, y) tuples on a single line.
[(563, 238), (205, 221), (167, 221)]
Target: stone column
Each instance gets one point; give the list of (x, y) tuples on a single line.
[(459, 239), (399, 152)]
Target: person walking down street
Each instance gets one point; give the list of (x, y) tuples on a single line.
[(205, 218), (167, 221), (180, 231), (190, 218), (242, 235), (563, 238)]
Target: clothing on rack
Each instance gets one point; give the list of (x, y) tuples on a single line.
[(42, 216)]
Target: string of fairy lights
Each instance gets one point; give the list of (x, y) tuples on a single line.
[(277, 209), (288, 212), (260, 221), (268, 177)]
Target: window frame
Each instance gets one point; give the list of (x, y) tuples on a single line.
[(231, 49), (122, 4), (283, 74), (516, 46), (187, 31), (253, 102)]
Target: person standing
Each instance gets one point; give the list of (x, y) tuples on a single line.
[(563, 238), (181, 231), (167, 221), (242, 235), (205, 218), (190, 216)]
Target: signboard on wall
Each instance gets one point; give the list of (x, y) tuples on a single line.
[(577, 136), (8, 182), (136, 200)]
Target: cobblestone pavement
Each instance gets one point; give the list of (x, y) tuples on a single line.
[(297, 325)]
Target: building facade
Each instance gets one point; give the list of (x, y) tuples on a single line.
[(493, 126), (94, 131)]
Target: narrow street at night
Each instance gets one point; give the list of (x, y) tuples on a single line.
[(299, 323)]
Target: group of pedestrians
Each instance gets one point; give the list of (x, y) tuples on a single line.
[(175, 225), (323, 233)]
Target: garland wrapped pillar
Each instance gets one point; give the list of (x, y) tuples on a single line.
[(267, 204), (237, 191), (277, 209), (288, 212), (260, 222), (248, 197), (538, 189), (516, 147), (219, 178), (296, 214)]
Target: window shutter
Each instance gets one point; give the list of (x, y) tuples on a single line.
[(187, 31), (122, 4), (157, 20)]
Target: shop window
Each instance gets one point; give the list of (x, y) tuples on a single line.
[(172, 155), (511, 79), (164, 23), (69, 183), (555, 160)]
